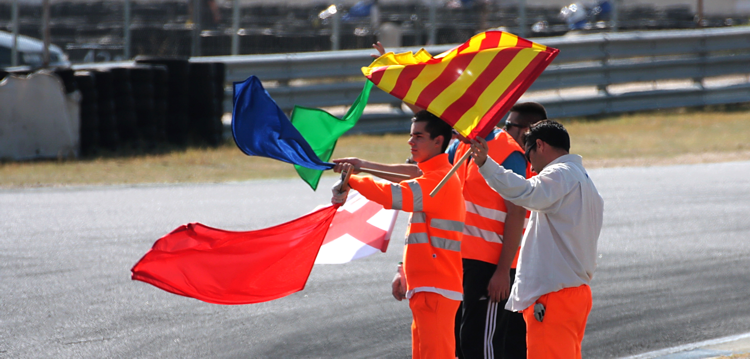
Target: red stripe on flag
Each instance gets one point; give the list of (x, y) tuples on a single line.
[(524, 43), (462, 47), (512, 93), (483, 80), (405, 79), (449, 75), (491, 41), (377, 75)]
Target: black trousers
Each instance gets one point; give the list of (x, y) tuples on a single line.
[(485, 330)]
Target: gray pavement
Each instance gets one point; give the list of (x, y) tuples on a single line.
[(714, 348), (672, 273)]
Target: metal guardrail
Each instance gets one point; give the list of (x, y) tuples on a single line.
[(600, 61)]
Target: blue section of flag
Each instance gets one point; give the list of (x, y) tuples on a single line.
[(260, 128)]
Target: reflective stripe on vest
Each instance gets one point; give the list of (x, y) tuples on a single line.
[(437, 242), (488, 236), (485, 212), (418, 217), (416, 191), (489, 213), (397, 197), (447, 244), (447, 224), (417, 238)]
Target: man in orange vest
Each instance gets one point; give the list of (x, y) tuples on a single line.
[(494, 226), (491, 239), (432, 271), (558, 251)]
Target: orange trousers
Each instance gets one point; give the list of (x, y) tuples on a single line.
[(432, 334), (560, 333)]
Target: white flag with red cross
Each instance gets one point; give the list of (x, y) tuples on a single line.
[(360, 228)]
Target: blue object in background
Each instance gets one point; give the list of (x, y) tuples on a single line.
[(360, 9), (260, 128)]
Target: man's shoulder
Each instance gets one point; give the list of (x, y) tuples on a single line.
[(568, 165)]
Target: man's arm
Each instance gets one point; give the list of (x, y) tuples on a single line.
[(540, 193), (499, 286), (408, 169)]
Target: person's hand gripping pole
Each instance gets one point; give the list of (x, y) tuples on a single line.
[(341, 187), (478, 151)]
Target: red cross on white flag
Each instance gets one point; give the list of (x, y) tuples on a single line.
[(360, 228)]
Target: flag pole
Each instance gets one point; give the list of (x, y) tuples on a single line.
[(346, 173), (450, 173), (383, 173)]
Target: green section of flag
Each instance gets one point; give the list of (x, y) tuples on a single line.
[(322, 130)]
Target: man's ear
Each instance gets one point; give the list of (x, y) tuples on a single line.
[(541, 145), (439, 140)]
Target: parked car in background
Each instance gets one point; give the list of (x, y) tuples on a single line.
[(29, 52)]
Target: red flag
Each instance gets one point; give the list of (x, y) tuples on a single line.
[(225, 267), (361, 228)]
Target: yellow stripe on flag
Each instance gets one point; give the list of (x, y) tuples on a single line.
[(429, 73), (406, 58), (475, 43), (457, 89), (367, 71), (487, 99), (508, 40), (422, 56), (388, 81), (384, 60)]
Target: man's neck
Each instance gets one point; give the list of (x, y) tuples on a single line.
[(431, 157), (554, 156)]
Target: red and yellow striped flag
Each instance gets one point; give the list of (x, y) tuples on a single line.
[(471, 86)]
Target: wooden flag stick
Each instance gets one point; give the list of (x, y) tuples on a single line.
[(383, 173), (450, 173), (346, 173)]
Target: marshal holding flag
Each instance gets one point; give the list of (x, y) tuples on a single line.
[(471, 86)]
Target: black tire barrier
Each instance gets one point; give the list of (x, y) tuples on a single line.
[(89, 129), (202, 101), (220, 72), (127, 127), (142, 79), (161, 98), (108, 137), (177, 119), (67, 76)]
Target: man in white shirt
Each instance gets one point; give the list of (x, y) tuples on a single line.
[(558, 250)]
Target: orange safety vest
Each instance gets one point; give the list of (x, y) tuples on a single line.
[(432, 257), (485, 208)]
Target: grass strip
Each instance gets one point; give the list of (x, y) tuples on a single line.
[(644, 139)]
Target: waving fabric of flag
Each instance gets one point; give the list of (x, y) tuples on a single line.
[(260, 128), (471, 86), (361, 228), (322, 130), (226, 267)]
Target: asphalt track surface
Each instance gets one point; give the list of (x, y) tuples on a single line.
[(674, 268)]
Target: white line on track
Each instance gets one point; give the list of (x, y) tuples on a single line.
[(687, 347)]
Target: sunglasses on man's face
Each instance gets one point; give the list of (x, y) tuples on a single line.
[(509, 125), (528, 151)]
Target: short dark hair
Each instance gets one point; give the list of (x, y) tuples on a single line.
[(529, 112), (551, 132), (435, 127)]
